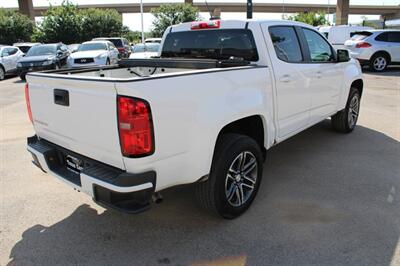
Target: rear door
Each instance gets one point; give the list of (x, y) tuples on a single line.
[(394, 45), (79, 115), (291, 78)]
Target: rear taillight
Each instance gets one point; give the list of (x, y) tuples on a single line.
[(28, 102), (200, 25), (135, 127), (363, 45)]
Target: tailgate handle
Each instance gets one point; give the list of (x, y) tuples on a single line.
[(61, 97)]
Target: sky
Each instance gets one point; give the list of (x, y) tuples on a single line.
[(133, 20)]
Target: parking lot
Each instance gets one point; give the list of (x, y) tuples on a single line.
[(326, 198)]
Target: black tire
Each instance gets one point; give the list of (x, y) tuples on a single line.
[(341, 121), (211, 194), (379, 62), (22, 76), (2, 73)]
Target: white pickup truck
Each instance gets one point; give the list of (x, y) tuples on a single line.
[(206, 111)]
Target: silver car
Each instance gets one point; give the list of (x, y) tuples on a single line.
[(375, 48)]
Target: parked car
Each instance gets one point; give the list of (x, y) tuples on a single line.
[(206, 112), (25, 46), (9, 56), (153, 40), (73, 47), (43, 57), (94, 53), (122, 45), (337, 35), (375, 48), (145, 50)]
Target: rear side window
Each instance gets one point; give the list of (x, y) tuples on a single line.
[(211, 44), (319, 48), (383, 37), (286, 43), (394, 37)]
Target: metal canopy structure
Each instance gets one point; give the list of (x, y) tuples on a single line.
[(342, 9)]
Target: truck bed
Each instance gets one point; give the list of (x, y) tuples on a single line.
[(140, 68)]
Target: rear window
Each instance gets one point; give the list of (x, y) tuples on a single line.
[(212, 44), (360, 35)]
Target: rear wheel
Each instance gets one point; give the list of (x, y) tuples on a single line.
[(379, 62), (22, 76), (2, 73), (235, 177), (346, 120)]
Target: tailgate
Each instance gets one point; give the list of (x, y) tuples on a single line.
[(79, 115)]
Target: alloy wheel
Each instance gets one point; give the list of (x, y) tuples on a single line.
[(354, 108), (380, 63), (241, 179)]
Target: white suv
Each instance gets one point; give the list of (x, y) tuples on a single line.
[(9, 56), (375, 48)]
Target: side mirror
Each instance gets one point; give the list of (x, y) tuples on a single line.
[(343, 55)]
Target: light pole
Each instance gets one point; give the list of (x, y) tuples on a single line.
[(249, 9), (141, 18)]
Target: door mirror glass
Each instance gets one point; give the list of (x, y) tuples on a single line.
[(343, 55)]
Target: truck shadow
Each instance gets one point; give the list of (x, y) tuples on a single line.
[(326, 198)]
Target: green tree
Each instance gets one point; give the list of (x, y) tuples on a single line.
[(311, 18), (100, 23), (171, 14), (14, 27), (61, 24), (68, 24)]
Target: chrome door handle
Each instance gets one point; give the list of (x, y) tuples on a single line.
[(285, 78)]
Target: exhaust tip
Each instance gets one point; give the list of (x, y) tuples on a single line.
[(157, 198)]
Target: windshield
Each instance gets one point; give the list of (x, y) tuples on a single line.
[(92, 46), (141, 48), (361, 35), (47, 49), (212, 44), (116, 42)]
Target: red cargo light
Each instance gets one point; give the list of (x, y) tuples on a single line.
[(121, 49), (363, 45), (135, 127), (200, 25), (28, 102)]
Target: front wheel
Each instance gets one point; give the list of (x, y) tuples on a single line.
[(345, 120), (235, 176)]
